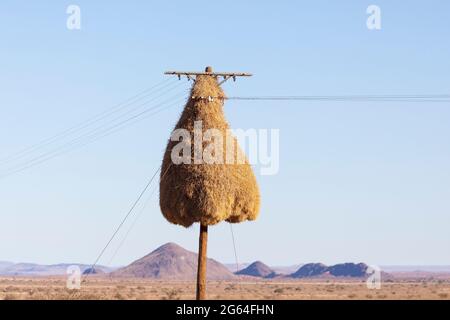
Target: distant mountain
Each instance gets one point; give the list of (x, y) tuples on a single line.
[(310, 270), (257, 269), (171, 261), (277, 269), (348, 270), (338, 270), (33, 269), (95, 270), (5, 264)]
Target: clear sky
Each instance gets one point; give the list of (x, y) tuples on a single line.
[(357, 182)]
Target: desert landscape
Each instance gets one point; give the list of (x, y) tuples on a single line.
[(172, 151), (168, 273), (50, 288)]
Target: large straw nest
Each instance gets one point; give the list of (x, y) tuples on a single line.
[(207, 193)]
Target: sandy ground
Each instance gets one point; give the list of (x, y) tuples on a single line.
[(106, 288)]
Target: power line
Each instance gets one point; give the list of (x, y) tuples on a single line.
[(135, 108), (78, 142), (100, 116), (235, 254), (136, 219), (375, 98), (73, 146), (92, 136), (124, 219), (130, 228), (234, 247)]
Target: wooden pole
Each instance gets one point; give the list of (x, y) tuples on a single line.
[(201, 267)]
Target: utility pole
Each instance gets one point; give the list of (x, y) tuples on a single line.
[(203, 237)]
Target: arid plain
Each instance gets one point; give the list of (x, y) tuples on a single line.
[(103, 287)]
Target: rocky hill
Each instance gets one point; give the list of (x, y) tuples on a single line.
[(348, 270), (338, 270), (257, 269), (310, 270), (171, 261)]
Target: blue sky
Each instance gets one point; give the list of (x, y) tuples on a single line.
[(358, 181)]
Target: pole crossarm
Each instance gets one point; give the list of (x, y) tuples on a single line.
[(190, 75), (215, 74)]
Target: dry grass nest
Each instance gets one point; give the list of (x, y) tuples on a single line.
[(207, 193)]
